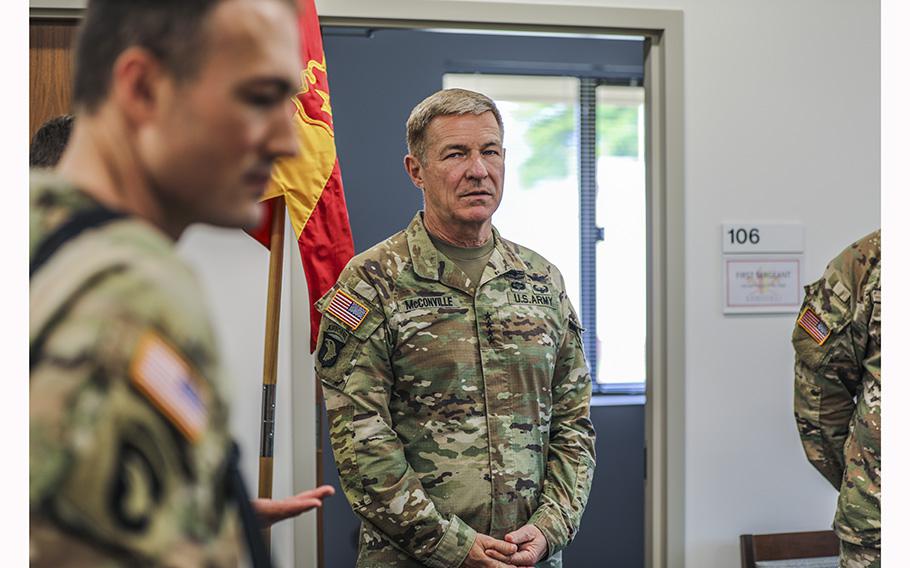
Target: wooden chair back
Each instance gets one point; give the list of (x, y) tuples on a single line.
[(787, 546)]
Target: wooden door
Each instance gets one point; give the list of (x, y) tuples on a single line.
[(50, 70)]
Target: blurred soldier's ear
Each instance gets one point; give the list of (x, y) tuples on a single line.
[(415, 170), (138, 83)]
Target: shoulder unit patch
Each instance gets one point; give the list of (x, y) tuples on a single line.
[(334, 338)]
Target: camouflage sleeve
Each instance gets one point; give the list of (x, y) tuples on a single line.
[(827, 373), (570, 459), (128, 436), (381, 486)]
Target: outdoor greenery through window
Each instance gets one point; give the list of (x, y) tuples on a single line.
[(540, 207)]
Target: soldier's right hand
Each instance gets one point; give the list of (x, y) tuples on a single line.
[(477, 556), (270, 511)]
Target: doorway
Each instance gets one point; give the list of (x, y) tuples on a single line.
[(545, 83)]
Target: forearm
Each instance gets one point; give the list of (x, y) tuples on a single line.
[(823, 407), (570, 456), (570, 470), (384, 490), (825, 454)]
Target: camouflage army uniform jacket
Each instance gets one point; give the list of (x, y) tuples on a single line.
[(838, 386), (455, 408), (128, 432)]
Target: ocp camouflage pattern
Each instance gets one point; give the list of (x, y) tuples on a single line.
[(112, 482), (853, 556), (456, 407), (838, 387)]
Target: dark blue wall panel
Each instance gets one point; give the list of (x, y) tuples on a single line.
[(612, 529)]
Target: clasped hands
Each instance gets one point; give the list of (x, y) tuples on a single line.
[(523, 547)]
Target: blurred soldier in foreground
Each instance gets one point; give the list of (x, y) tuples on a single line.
[(451, 360), (48, 143), (838, 393), (182, 108)]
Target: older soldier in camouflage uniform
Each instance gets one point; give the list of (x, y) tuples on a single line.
[(452, 365), (838, 393), (182, 109)]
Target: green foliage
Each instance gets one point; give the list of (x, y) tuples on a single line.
[(550, 134), (552, 138), (617, 131)]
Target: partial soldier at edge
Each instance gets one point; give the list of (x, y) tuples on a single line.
[(837, 400)]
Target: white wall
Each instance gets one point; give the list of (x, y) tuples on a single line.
[(782, 123), (782, 103), (233, 271)]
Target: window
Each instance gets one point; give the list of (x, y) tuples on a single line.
[(622, 254), (548, 206)]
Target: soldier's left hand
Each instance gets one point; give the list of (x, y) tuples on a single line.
[(532, 547), (270, 511)]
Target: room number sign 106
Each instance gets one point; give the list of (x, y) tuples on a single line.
[(742, 236), (752, 238)]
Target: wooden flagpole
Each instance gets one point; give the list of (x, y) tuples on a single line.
[(270, 357), (320, 517)]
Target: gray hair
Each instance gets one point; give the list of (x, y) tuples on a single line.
[(443, 103)]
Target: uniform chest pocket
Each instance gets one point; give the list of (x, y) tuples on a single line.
[(428, 322), (530, 332)]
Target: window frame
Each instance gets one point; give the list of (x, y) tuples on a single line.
[(494, 80)]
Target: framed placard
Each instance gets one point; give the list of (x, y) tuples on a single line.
[(762, 284)]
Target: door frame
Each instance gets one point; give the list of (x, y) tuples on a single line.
[(665, 387), (663, 33)]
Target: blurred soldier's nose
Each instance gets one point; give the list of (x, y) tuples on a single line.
[(282, 140)]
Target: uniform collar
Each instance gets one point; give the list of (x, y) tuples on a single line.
[(429, 264)]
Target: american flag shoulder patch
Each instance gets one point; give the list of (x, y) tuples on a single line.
[(171, 385), (813, 325), (347, 310)]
